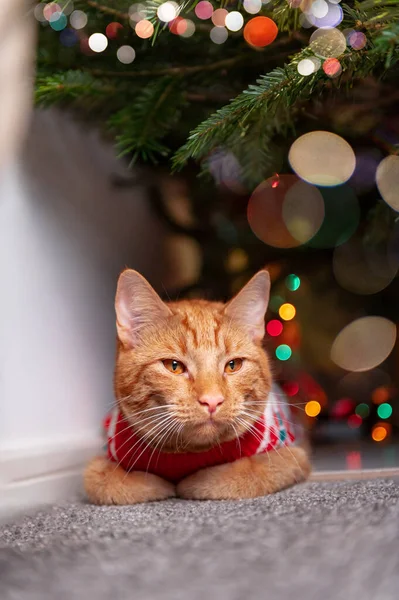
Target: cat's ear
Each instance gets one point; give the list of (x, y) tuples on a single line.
[(136, 304), (249, 306)]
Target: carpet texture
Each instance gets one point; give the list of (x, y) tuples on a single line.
[(318, 541)]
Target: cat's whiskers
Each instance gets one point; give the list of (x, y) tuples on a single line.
[(237, 437), (130, 426)]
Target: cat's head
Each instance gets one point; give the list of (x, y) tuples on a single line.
[(190, 374)]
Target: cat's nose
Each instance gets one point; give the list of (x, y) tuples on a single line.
[(211, 403)]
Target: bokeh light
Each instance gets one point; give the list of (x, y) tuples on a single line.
[(291, 388), (275, 303), (68, 38), (178, 26), (234, 20), (144, 29), (66, 6), (380, 395), (285, 212), (167, 11), (50, 8), (364, 343), (322, 158), (190, 29), (287, 311), (384, 411), (357, 40), (126, 54), (274, 327), (38, 13), (137, 12), (387, 177), (332, 67), (78, 19), (98, 42), (319, 8), (313, 408), (204, 10), (328, 42), (283, 352), (306, 67), (252, 6), (333, 17), (219, 35), (379, 433), (292, 282), (112, 30), (362, 268), (219, 17), (354, 421), (58, 21), (260, 32), (363, 410), (342, 408)]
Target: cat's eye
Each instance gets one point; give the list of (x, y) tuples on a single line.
[(233, 365), (174, 366)]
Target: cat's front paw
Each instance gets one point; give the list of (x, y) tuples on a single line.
[(223, 482), (107, 483)]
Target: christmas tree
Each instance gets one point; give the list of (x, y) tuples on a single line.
[(287, 110)]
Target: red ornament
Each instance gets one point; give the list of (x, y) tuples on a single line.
[(260, 32), (112, 30)]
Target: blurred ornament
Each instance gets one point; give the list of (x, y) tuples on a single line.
[(332, 67), (387, 177), (98, 42), (219, 17), (112, 30), (362, 269), (306, 67), (126, 54), (167, 11), (285, 212), (342, 214), (364, 343), (327, 43), (204, 10), (252, 6), (287, 311), (292, 282), (322, 158), (234, 20), (144, 29), (68, 38), (219, 35), (357, 40), (274, 327), (78, 19), (260, 32)]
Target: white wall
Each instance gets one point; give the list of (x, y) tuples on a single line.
[(65, 234)]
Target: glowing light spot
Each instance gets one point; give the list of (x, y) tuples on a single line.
[(219, 35), (38, 13), (78, 19), (167, 12), (68, 38), (384, 411), (58, 21), (237, 260), (333, 17), (98, 42), (306, 67), (322, 158), (50, 9), (234, 20), (283, 352), (364, 343), (357, 40), (66, 6), (363, 410), (260, 32), (252, 6), (275, 303), (380, 395), (354, 421), (287, 311), (379, 433), (387, 178), (342, 408), (144, 29), (178, 26), (190, 29), (126, 54), (291, 388), (219, 17), (274, 327), (319, 8), (292, 282), (328, 42), (112, 30), (204, 10), (332, 67), (312, 408), (137, 12)]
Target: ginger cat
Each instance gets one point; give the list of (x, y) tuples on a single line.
[(195, 416)]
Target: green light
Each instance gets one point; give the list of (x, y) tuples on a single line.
[(384, 411), (283, 352), (362, 410), (275, 303), (292, 282)]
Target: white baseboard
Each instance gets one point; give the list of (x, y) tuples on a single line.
[(40, 476)]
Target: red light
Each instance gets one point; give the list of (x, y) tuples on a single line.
[(276, 181), (354, 460), (291, 388), (112, 30), (342, 408), (274, 327), (354, 421)]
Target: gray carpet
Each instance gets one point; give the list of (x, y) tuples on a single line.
[(318, 541)]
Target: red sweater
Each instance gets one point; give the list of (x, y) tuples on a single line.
[(124, 447)]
